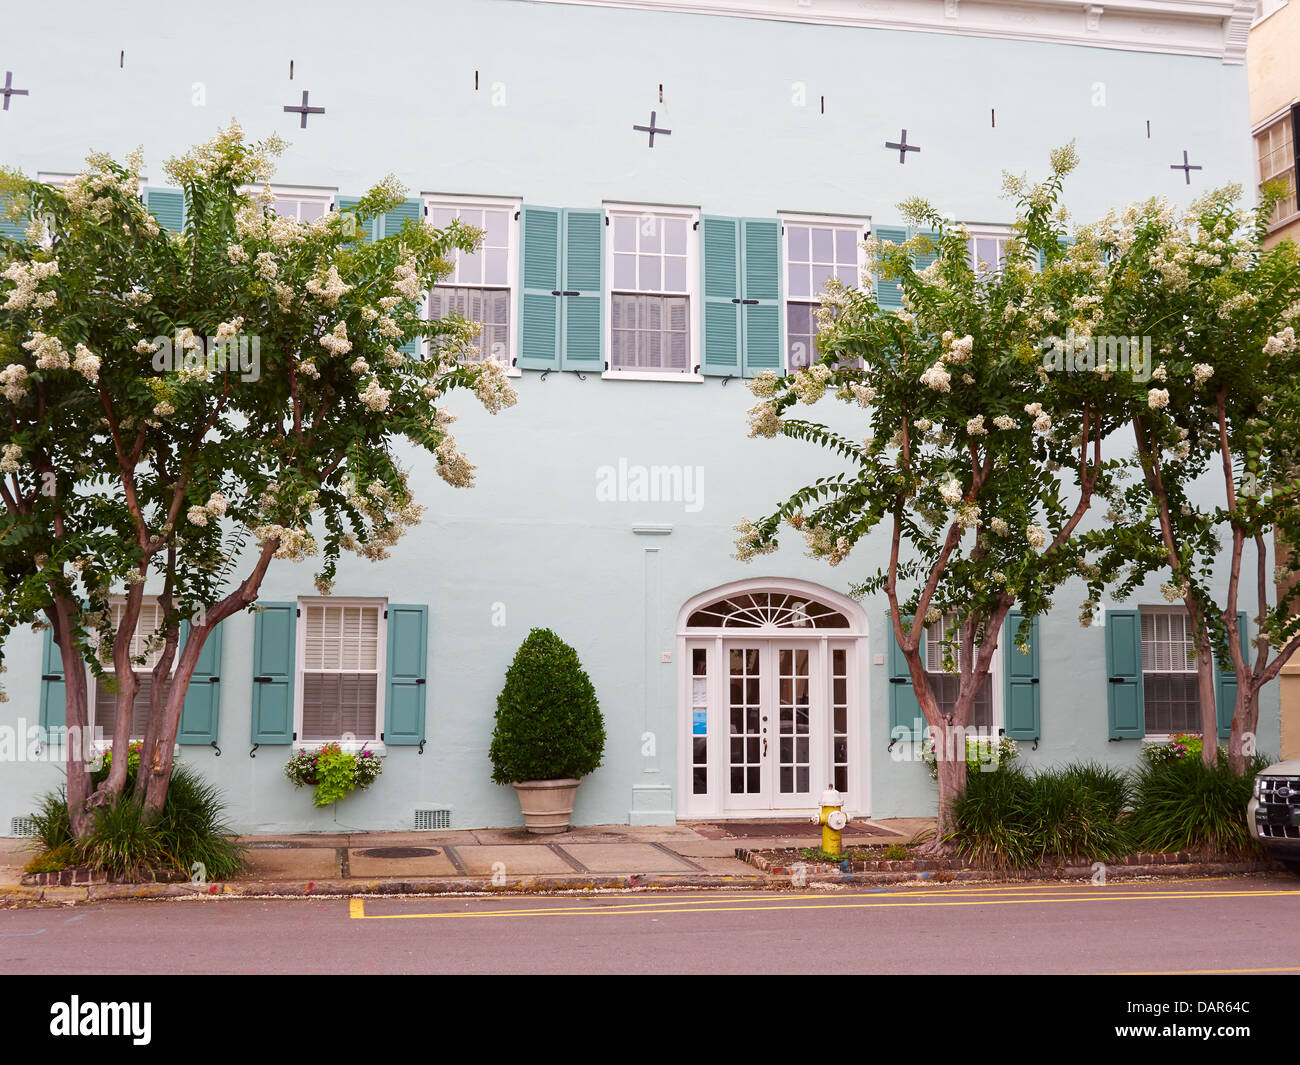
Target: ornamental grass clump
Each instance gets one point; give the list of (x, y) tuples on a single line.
[(1014, 819), (1182, 804), (548, 720), (333, 772)]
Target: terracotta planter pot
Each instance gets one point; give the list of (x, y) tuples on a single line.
[(547, 804)]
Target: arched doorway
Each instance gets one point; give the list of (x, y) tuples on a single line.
[(772, 703)]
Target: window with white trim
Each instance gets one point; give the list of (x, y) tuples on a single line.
[(816, 250), (480, 287), (302, 205), (943, 642), (653, 267), (1275, 152), (986, 247), (1170, 690), (146, 651), (341, 658)]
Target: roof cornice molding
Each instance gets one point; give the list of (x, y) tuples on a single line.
[(1215, 28)]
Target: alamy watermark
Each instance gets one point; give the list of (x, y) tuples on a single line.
[(1087, 354), (240, 353), (627, 483), (22, 742)]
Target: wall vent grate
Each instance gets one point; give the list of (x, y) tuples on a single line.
[(429, 820), (22, 826)]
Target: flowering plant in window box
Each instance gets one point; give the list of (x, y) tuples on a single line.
[(982, 755), (1180, 745), (333, 772)]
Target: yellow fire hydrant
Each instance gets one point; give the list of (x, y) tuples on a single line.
[(832, 819)]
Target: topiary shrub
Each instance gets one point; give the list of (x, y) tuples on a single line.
[(548, 721)]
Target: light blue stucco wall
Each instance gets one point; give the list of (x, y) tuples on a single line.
[(397, 81)]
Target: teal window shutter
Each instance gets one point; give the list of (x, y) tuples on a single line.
[(904, 707), (408, 650), (274, 653), (202, 707), (167, 206), (1124, 702), (1022, 698), (924, 259), (1225, 681), (347, 204), (584, 276), (391, 224), (721, 286), (760, 295), (12, 230), (889, 294), (539, 343), (407, 210), (53, 690)]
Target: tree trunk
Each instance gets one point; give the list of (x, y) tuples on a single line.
[(950, 758), (1209, 709), (127, 686), (161, 672), (159, 763), (77, 739), (1245, 715)]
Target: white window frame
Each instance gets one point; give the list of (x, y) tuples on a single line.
[(1283, 114), (324, 196), (861, 227), (1000, 233), (695, 356), (92, 717), (514, 208), (1191, 670), (381, 677), (998, 711)]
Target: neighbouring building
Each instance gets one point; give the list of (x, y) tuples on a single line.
[(1274, 70), (665, 188)]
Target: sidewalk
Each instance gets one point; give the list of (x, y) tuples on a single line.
[(695, 854)]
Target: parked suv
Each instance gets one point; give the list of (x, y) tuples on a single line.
[(1274, 813)]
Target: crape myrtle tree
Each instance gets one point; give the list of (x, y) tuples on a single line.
[(183, 408), (1217, 428), (978, 464)]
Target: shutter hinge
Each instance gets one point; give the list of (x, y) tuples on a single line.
[(385, 612), (51, 676), (516, 216), (295, 736), (420, 680), (607, 220), (1034, 680), (299, 612), (381, 737), (696, 225)]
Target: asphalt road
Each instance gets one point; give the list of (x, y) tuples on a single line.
[(1248, 924)]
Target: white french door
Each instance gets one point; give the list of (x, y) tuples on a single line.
[(775, 718)]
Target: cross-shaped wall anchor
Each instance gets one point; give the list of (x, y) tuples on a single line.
[(902, 146), (7, 90), (304, 110), (652, 129), (1185, 167)]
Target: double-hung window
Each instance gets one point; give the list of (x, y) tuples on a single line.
[(943, 644), (146, 650), (341, 658), (653, 280), (481, 286), (816, 250), (1275, 150), (1171, 693), (302, 205), (986, 247)]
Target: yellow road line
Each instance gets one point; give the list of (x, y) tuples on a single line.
[(1210, 972), (816, 903)]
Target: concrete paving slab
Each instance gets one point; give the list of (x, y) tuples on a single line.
[(439, 838), (627, 858), (519, 860), (362, 865), (304, 839), (293, 863), (14, 854)]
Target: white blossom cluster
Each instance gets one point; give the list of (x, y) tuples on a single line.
[(26, 277), (1282, 341), (9, 459), (747, 545), (215, 507)]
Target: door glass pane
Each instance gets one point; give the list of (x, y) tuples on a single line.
[(793, 721), (746, 739)]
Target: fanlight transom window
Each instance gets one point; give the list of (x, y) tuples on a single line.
[(756, 610)]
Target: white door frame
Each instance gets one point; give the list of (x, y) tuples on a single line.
[(854, 639)]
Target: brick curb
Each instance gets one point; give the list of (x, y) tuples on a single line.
[(889, 872)]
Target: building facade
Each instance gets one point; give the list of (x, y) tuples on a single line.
[(664, 190)]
